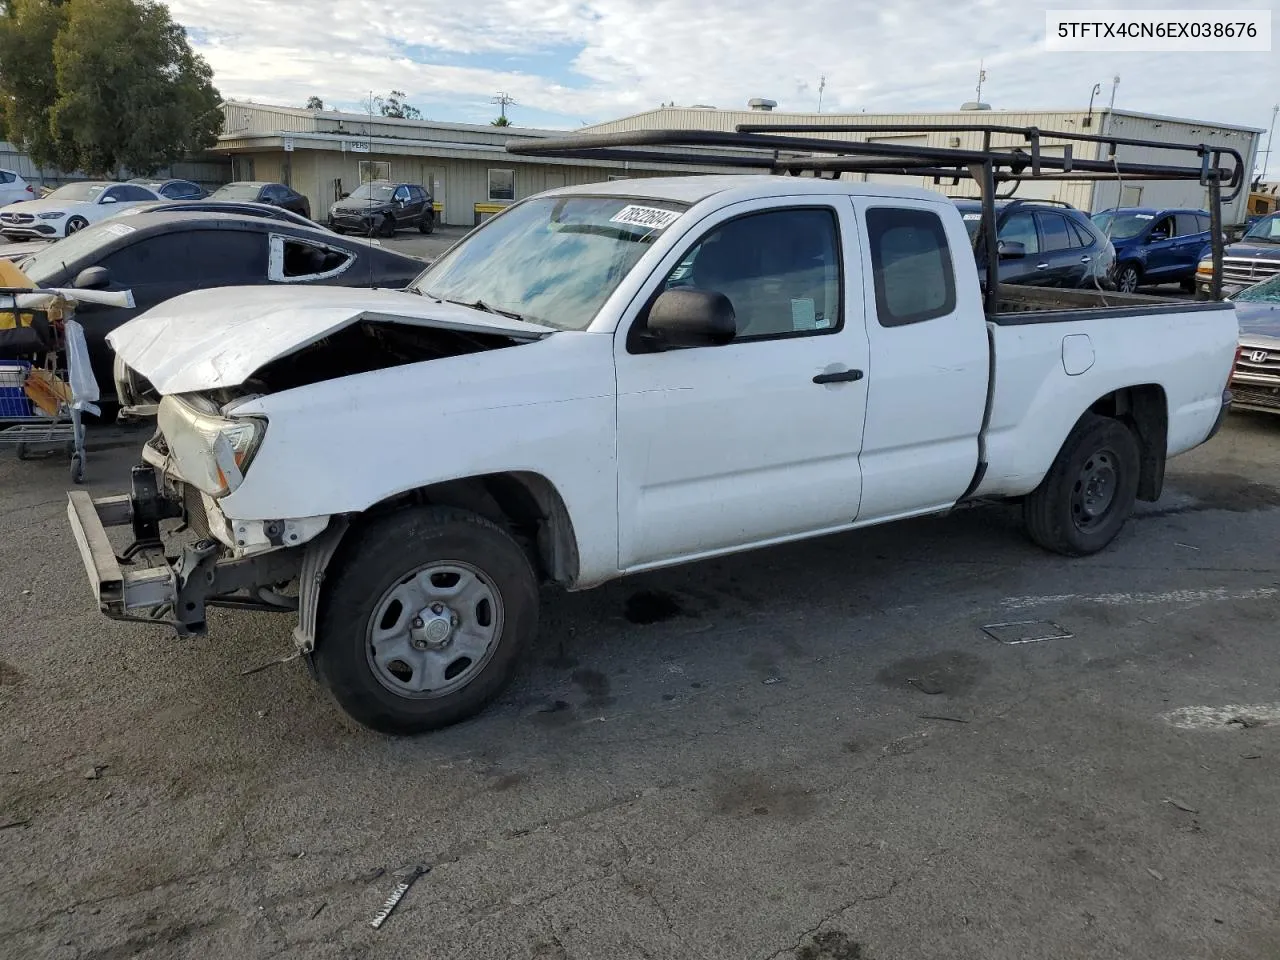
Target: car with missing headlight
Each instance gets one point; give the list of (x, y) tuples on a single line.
[(69, 209)]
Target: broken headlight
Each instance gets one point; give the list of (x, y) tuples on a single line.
[(210, 451)]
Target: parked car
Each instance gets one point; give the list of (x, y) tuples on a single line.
[(615, 378), (162, 255), (383, 207), (244, 207), (1255, 381), (1154, 245), (275, 194), (14, 189), (69, 209), (1045, 243), (173, 189), (1254, 257)]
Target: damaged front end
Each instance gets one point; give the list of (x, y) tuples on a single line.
[(196, 457)]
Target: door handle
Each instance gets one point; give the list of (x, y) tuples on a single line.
[(840, 376), (1042, 266), (1086, 259)]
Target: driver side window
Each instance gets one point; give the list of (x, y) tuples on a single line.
[(1163, 229), (780, 270)]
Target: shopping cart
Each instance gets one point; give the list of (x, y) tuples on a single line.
[(43, 368)]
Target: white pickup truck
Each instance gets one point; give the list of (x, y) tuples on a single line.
[(610, 379)]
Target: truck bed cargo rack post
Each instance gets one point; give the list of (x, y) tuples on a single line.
[(777, 149)]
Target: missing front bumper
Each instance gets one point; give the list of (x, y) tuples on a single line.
[(172, 590)]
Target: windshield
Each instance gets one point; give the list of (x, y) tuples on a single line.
[(237, 191), (1122, 226), (1267, 230), (554, 261), (1266, 292), (380, 192), (78, 191), (42, 267)]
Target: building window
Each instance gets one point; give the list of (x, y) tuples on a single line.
[(502, 185), (375, 170)]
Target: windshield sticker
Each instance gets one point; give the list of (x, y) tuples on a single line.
[(653, 217), (973, 216), (1145, 216), (118, 229)]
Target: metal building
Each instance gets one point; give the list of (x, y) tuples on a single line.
[(1086, 195), (324, 154)]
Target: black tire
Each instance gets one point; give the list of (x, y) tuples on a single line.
[(388, 552), (1061, 514), (75, 225), (428, 222), (388, 226), (1128, 278), (1188, 286)]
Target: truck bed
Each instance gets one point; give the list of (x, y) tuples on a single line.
[(1025, 304)]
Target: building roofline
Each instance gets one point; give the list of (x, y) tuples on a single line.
[(344, 116)]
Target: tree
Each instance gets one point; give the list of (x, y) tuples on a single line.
[(28, 80), (393, 105), (314, 103), (501, 122), (101, 84)]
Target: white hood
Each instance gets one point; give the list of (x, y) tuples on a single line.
[(46, 205), (218, 338)]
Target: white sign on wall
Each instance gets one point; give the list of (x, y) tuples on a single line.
[(358, 146), (288, 144)]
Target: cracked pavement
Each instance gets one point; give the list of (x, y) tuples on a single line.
[(813, 753)]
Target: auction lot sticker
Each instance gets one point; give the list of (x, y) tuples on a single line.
[(653, 217)]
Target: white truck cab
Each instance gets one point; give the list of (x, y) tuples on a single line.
[(616, 378)]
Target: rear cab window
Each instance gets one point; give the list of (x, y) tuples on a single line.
[(911, 264)]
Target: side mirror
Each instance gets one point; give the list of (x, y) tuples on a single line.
[(108, 200), (344, 196), (92, 278), (688, 317), (1011, 249)]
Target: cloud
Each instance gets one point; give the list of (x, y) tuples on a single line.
[(573, 60)]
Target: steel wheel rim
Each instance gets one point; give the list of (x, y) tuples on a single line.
[(1095, 488), (433, 631), (1128, 280)]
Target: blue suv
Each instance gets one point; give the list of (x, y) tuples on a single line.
[(1154, 245)]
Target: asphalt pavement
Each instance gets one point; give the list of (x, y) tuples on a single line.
[(814, 752)]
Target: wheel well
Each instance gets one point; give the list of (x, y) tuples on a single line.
[(526, 505), (1145, 410)]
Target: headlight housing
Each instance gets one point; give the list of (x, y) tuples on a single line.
[(210, 451), (53, 215)]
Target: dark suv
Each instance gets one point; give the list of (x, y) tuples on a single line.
[(383, 207), (1045, 243), (1154, 245), (275, 194)]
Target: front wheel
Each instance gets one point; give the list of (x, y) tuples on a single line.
[(428, 222), (1127, 278), (388, 226), (423, 619), (1089, 491), (76, 224)]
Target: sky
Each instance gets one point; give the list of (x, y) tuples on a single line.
[(570, 62)]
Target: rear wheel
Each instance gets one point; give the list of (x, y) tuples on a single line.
[(1089, 491), (1127, 278), (423, 619), (76, 224)]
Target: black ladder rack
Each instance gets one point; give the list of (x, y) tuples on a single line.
[(777, 149)]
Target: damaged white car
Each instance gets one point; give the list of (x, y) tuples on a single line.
[(610, 379)]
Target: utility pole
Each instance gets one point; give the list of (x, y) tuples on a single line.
[(503, 100), (822, 85), (1267, 162)]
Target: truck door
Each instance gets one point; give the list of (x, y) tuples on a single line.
[(758, 440), (930, 365)]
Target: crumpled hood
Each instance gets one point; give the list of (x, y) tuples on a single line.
[(211, 339)]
